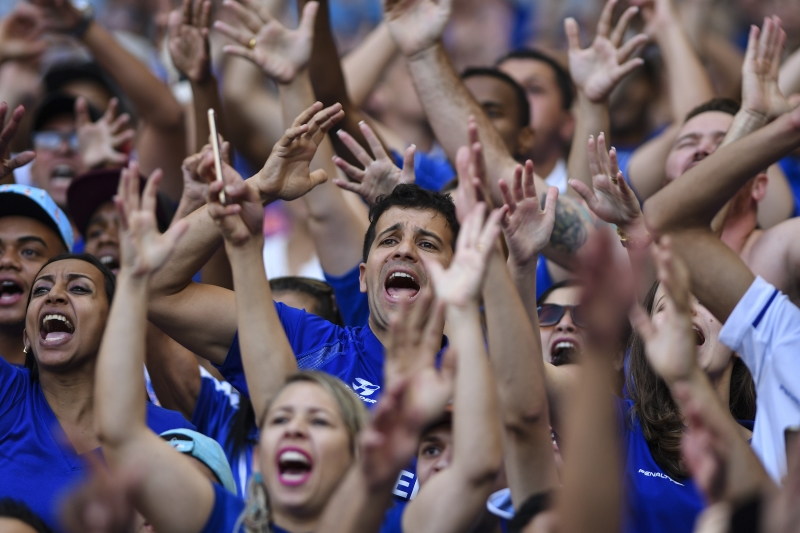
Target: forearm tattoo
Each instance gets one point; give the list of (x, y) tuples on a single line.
[(570, 230)]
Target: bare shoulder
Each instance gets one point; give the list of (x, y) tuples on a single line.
[(775, 256)]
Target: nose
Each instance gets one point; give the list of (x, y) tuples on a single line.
[(443, 461), (407, 250), (566, 323), (296, 427), (57, 293), (109, 236), (9, 260)]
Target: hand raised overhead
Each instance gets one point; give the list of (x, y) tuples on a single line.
[(144, 250), (286, 174), (380, 175), (526, 225), (19, 34), (460, 284), (7, 166), (416, 25), (761, 94), (610, 197), (281, 53), (101, 143), (188, 39), (598, 69)]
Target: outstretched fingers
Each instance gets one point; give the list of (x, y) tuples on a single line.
[(248, 16), (573, 34), (604, 23), (622, 26), (372, 139)]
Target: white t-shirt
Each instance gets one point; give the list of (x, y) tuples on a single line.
[(558, 177), (764, 329)]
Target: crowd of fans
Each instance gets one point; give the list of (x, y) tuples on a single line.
[(449, 266)]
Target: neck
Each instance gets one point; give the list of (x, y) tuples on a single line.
[(382, 333), (295, 524), (722, 384), (70, 395), (11, 344), (545, 162), (738, 229)]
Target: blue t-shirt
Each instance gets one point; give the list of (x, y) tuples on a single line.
[(226, 512), (216, 407), (393, 519), (791, 168), (432, 169), (37, 461), (353, 303), (354, 355), (543, 279), (654, 502)]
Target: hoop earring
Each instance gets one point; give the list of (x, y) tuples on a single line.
[(25, 350)]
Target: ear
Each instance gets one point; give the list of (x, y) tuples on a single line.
[(759, 189), (362, 277), (526, 140)]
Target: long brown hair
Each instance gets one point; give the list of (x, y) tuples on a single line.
[(657, 413)]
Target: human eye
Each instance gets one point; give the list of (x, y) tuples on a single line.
[(29, 253), (40, 289), (389, 241), (428, 245), (80, 288), (319, 421), (431, 450), (278, 420)]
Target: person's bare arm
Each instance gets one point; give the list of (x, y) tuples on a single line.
[(591, 498), (595, 72), (267, 356), (172, 495), (514, 344), (790, 74), (689, 86), (161, 142), (365, 64), (463, 487), (191, 55), (174, 372), (694, 199)]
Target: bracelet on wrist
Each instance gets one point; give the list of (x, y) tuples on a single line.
[(631, 243)]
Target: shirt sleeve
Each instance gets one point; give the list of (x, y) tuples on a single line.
[(304, 332), (353, 303), (13, 381), (216, 405), (225, 513)]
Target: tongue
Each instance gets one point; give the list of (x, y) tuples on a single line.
[(7, 297), (396, 292), (57, 335)]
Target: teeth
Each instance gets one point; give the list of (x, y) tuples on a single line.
[(106, 259), (62, 318), (294, 457), (401, 275), (564, 344)]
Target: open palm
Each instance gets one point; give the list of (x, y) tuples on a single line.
[(526, 225), (188, 39), (760, 91), (286, 174), (597, 70), (280, 52), (144, 250)]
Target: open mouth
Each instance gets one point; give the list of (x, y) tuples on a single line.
[(63, 171), (294, 467), (56, 328), (110, 262), (10, 292), (401, 285), (563, 352), (700, 339)]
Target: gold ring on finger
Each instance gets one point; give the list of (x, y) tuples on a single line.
[(614, 181), (252, 43)]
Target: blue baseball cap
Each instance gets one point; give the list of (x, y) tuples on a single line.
[(204, 449), (26, 201)]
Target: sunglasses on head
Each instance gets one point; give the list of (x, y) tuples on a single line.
[(551, 314)]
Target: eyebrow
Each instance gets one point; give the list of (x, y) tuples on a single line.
[(390, 229), (29, 238), (70, 277), (430, 234)]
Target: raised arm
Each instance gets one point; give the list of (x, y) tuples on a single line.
[(595, 72), (173, 495), (267, 356), (688, 85), (190, 52), (463, 487), (514, 343), (790, 74), (364, 65), (161, 143)]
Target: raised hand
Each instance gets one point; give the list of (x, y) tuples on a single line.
[(761, 95), (7, 166), (100, 142), (188, 39), (416, 25), (241, 219), (19, 34), (460, 284), (669, 338), (658, 15), (380, 175), (195, 185), (598, 69), (144, 250), (286, 174), (610, 197), (281, 53), (58, 15), (472, 177), (526, 225)]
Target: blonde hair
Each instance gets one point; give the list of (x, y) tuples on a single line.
[(257, 516)]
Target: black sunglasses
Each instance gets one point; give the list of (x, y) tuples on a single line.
[(551, 314)]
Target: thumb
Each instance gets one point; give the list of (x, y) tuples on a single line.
[(308, 17), (318, 177), (584, 191)]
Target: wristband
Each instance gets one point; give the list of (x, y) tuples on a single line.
[(87, 17), (634, 244)]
